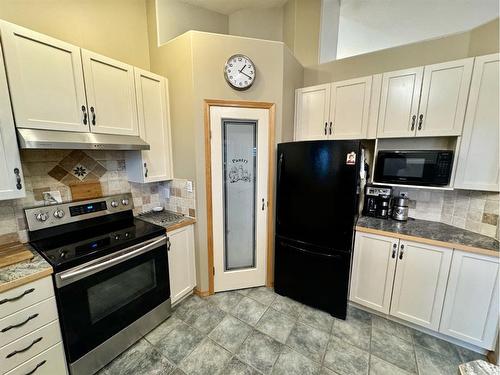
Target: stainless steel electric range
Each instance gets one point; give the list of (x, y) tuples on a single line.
[(110, 275)]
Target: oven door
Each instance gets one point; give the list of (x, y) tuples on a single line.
[(98, 299), (428, 168)]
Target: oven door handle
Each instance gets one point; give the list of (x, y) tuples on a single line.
[(98, 265)]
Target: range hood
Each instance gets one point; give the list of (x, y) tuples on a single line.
[(53, 139)]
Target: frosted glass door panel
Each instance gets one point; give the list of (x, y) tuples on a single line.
[(239, 163)]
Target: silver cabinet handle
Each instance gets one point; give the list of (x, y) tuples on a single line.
[(394, 247), (263, 204), (146, 170), (420, 121), (413, 119), (326, 124), (97, 265), (27, 291), (17, 172), (330, 131), (169, 245), (401, 253)]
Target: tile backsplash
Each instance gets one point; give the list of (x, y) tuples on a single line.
[(57, 170), (476, 211)]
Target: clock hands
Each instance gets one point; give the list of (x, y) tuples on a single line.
[(241, 71)]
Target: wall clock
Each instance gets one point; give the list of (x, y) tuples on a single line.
[(239, 72)]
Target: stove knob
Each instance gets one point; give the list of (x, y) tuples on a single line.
[(125, 202), (41, 216), (127, 234), (114, 204), (58, 214), (63, 253)]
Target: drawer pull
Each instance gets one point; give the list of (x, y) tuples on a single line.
[(36, 367), (25, 349), (19, 324), (28, 291)]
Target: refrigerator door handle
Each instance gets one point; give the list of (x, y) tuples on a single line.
[(280, 163), (309, 252)]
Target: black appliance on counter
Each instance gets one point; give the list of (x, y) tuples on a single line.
[(377, 201), (110, 275), (419, 167), (316, 210)]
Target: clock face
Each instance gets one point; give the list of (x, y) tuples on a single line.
[(239, 72)]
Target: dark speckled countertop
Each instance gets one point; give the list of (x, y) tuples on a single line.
[(430, 232)]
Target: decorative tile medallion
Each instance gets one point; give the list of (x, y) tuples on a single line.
[(77, 167)]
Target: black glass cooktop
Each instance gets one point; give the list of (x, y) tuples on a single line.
[(77, 244)]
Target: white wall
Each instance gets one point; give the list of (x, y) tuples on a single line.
[(368, 25), (175, 17), (260, 23), (329, 32)]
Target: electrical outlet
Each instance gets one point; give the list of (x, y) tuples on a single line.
[(189, 186)]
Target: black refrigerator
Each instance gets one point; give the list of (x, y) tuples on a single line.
[(316, 208)]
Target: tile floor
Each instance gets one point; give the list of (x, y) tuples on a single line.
[(256, 331)]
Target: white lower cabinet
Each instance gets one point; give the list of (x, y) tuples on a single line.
[(441, 289), (420, 283), (470, 311), (374, 263), (181, 264), (30, 336)]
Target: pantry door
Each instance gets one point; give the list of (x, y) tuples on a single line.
[(239, 147)]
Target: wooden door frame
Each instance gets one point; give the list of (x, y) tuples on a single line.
[(208, 103)]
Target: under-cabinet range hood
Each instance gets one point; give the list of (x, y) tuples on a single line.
[(53, 139)]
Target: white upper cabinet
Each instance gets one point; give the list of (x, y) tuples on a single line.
[(420, 283), (11, 182), (349, 108), (478, 167), (444, 98), (45, 79), (312, 110), (373, 268), (154, 164), (110, 95), (470, 311), (399, 103), (425, 101)]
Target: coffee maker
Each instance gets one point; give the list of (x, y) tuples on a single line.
[(377, 201)]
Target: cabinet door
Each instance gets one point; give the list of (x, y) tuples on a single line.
[(154, 164), (476, 168), (312, 112), (181, 262), (349, 108), (399, 103), (420, 283), (110, 94), (373, 268), (470, 311), (12, 182), (445, 88), (46, 80)]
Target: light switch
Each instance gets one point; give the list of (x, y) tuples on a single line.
[(189, 186)]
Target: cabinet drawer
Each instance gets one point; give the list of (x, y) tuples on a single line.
[(27, 320), (25, 295), (28, 346), (49, 362)]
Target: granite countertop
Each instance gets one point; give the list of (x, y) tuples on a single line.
[(24, 272), (168, 219), (432, 232), (479, 367)]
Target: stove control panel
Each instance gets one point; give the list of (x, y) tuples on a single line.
[(58, 214)]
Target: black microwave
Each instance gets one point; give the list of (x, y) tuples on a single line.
[(427, 168)]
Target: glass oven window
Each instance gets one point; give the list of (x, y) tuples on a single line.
[(111, 294)]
